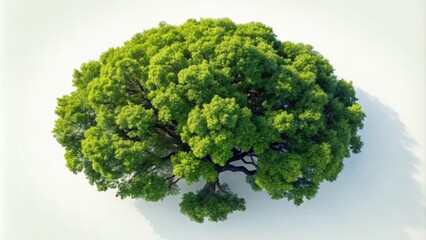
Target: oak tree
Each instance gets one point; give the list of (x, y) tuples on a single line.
[(192, 101)]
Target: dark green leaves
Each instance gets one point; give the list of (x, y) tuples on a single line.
[(210, 204)]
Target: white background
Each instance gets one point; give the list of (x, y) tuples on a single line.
[(379, 45)]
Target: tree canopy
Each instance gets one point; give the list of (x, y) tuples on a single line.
[(208, 96)]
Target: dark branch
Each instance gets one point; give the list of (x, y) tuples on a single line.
[(173, 182), (210, 187), (132, 91), (251, 155), (151, 168), (139, 85), (279, 146), (247, 162), (169, 132), (238, 155), (233, 168), (169, 178), (169, 156), (220, 189), (125, 135)]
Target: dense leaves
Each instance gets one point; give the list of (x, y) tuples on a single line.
[(211, 203), (209, 96)]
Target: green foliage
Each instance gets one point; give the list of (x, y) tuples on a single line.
[(135, 120), (186, 165), (192, 101), (207, 203), (217, 127)]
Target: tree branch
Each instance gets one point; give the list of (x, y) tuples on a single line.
[(252, 160), (168, 178), (173, 182), (167, 131), (139, 85), (233, 168), (169, 155), (220, 189), (173, 135), (238, 155), (151, 168), (279, 146), (209, 187), (247, 162)]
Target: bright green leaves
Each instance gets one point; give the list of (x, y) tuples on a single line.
[(258, 32), (75, 117), (276, 171), (198, 81), (251, 60), (165, 94), (356, 117), (165, 66), (271, 127), (314, 164), (186, 165), (130, 71), (309, 122), (155, 39), (171, 104), (107, 91), (98, 147), (116, 160), (192, 101), (207, 203), (150, 187), (355, 114), (292, 50), (315, 160), (286, 86), (119, 83), (87, 73), (345, 92), (202, 37), (217, 127), (135, 120), (293, 176), (131, 154), (282, 121)]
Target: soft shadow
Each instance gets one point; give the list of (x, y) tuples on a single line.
[(375, 196)]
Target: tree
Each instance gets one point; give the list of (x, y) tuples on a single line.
[(209, 96)]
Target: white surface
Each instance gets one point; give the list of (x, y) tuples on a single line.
[(379, 45)]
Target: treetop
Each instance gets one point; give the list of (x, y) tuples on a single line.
[(209, 96)]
